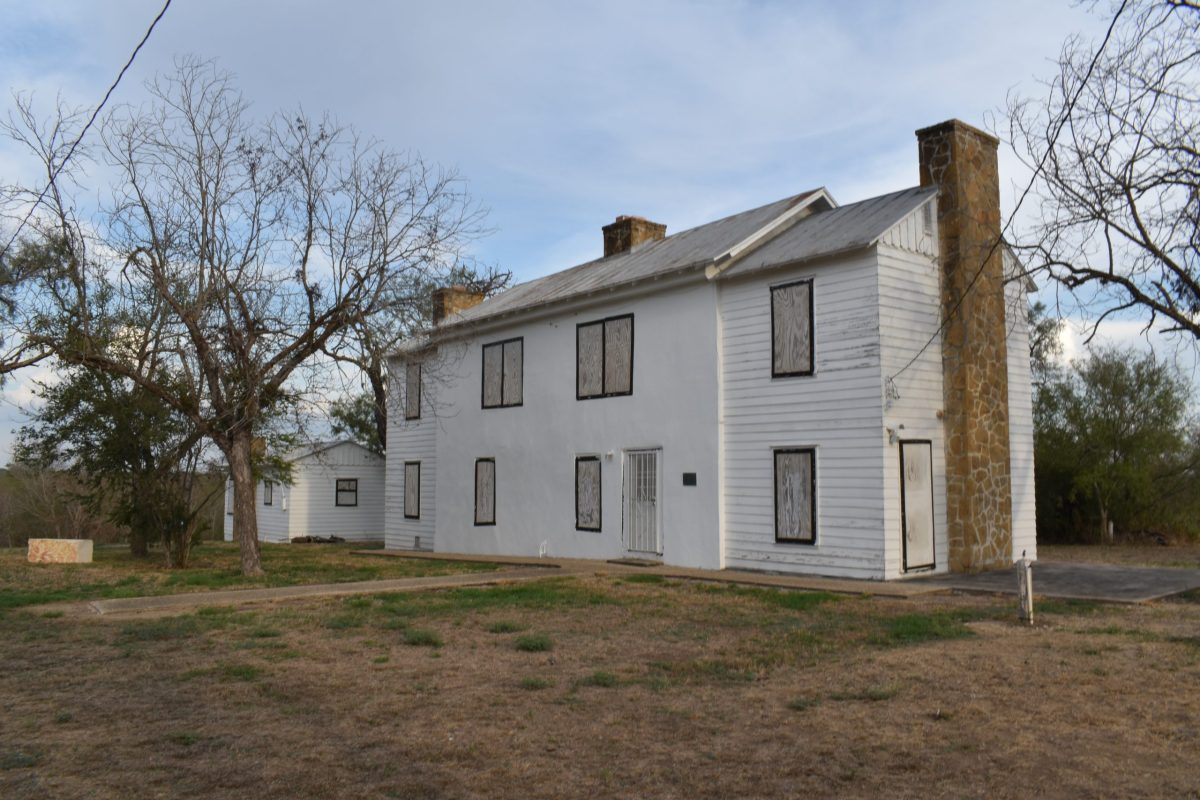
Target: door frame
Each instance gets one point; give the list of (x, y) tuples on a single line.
[(658, 499), (905, 566)]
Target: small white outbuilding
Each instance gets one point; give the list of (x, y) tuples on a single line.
[(336, 490)]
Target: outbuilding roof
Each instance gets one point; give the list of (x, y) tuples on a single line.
[(794, 229)]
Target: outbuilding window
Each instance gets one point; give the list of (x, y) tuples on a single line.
[(412, 390), (268, 493), (604, 358), (412, 489), (587, 493), (346, 492), (503, 373), (795, 495), (792, 329), (485, 491)]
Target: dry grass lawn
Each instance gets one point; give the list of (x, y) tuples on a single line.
[(605, 687)]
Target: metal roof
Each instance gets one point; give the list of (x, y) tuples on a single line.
[(825, 232), (838, 230)]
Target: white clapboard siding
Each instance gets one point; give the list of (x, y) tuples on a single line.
[(272, 520), (910, 314), (412, 440), (313, 504), (837, 410), (1020, 423)]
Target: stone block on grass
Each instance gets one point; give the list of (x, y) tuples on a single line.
[(60, 551)]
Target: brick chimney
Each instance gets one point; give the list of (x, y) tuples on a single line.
[(961, 161), (626, 233), (453, 299)]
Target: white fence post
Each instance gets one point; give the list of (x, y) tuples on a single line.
[(1025, 589)]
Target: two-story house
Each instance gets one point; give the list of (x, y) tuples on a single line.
[(801, 387)]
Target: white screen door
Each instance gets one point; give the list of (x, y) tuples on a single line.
[(642, 533), (916, 502)]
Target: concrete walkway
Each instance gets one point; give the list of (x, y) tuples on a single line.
[(184, 603), (575, 566), (1107, 583)]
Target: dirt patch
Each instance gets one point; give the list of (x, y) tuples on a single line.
[(634, 689), (1142, 555)]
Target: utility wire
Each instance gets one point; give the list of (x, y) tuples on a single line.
[(82, 133), (1020, 201)]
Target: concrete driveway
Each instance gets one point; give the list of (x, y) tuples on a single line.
[(1073, 581)]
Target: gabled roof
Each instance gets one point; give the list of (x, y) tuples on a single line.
[(316, 448), (791, 230), (838, 230)]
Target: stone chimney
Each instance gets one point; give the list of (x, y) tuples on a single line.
[(961, 161), (626, 233), (453, 299)]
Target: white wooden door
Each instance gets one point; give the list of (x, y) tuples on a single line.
[(916, 503), (642, 534)]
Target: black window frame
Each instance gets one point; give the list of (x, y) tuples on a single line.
[(492, 522), (812, 338), (420, 377), (604, 357), (416, 464), (483, 374), (337, 492), (775, 453), (599, 494), (268, 493)]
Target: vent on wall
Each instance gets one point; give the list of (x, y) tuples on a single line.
[(927, 218)]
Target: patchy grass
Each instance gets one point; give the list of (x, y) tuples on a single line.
[(533, 643), (650, 689), (908, 629), (600, 678), (420, 637), (871, 694), (214, 565)]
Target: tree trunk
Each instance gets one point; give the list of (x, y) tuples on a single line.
[(245, 518), (379, 391)]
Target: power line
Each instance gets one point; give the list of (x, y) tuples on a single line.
[(82, 133), (1020, 201)]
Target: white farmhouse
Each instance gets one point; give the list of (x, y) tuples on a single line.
[(336, 490), (802, 387)]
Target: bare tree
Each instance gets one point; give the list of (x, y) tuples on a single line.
[(239, 251), (1117, 169), (367, 344)]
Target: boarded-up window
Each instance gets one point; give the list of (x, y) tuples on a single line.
[(587, 493), (268, 493), (503, 373), (485, 491), (792, 329), (589, 360), (604, 357), (412, 489), (412, 391), (346, 492), (795, 495)]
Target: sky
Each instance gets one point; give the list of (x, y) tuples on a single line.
[(561, 116)]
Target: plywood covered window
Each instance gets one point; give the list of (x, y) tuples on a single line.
[(268, 493), (792, 329), (604, 358), (412, 489), (503, 373), (485, 491), (346, 492), (412, 390), (796, 495), (587, 493)]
